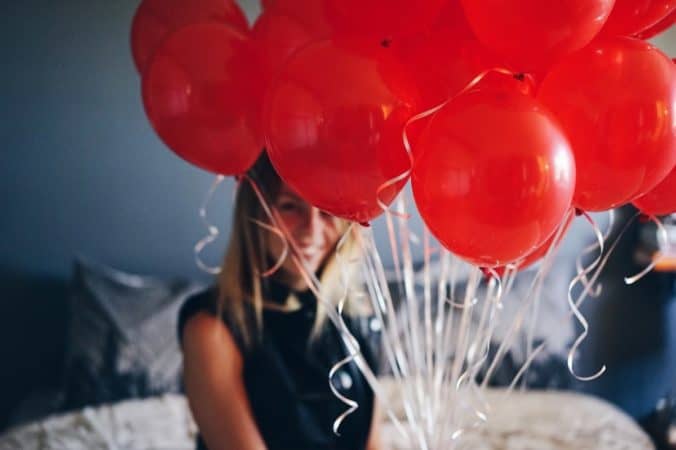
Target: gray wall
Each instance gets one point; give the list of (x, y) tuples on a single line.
[(81, 170)]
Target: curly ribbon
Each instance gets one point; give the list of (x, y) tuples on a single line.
[(352, 352), (575, 305), (352, 405), (663, 240), (592, 248), (575, 308), (602, 264), (599, 265), (212, 230), (571, 355)]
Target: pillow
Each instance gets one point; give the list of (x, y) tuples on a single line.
[(121, 335)]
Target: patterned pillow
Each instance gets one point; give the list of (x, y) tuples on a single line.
[(121, 337)]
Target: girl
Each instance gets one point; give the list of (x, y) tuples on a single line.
[(258, 349)]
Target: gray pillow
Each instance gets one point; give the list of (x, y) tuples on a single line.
[(121, 338)]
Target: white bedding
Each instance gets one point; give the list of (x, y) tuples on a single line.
[(522, 421)]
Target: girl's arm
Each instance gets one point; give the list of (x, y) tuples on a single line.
[(374, 442), (214, 386)]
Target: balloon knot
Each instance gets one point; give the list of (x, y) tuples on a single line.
[(579, 212), (487, 272), (238, 178), (365, 224), (520, 76), (644, 218)]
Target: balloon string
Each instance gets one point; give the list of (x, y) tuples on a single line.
[(459, 305), (355, 351), (524, 368), (414, 341), (428, 328), (530, 336), (571, 355), (485, 329), (352, 405), (663, 241), (285, 251), (519, 318), (268, 226), (537, 296), (599, 244), (352, 352), (461, 349), (575, 308), (603, 263), (420, 116), (394, 347), (212, 230), (599, 269), (592, 248)]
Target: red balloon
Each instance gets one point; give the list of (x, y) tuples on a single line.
[(494, 178), (277, 36), (444, 62), (156, 19), (383, 19), (541, 251), (630, 17), (659, 27), (534, 34), (616, 101), (310, 13), (333, 121), (452, 15), (662, 199), (198, 92)]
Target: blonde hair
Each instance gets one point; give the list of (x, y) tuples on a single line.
[(240, 288)]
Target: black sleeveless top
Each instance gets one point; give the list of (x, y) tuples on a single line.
[(286, 376)]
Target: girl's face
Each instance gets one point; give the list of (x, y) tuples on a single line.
[(314, 232)]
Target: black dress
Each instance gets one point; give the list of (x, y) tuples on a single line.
[(286, 377)]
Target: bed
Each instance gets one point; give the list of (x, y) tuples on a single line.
[(521, 421)]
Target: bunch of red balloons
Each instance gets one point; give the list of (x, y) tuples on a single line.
[(534, 108)]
